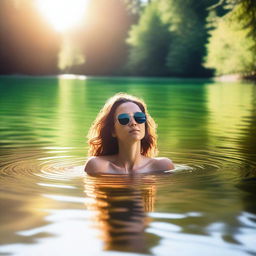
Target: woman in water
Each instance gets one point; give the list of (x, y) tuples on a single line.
[(122, 139)]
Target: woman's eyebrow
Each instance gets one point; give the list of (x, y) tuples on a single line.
[(130, 112)]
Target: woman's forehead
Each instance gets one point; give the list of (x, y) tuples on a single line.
[(127, 107)]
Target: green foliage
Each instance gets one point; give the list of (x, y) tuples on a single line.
[(231, 49), (149, 41), (186, 21), (169, 39), (246, 13), (187, 49)]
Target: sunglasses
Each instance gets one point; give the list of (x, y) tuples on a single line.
[(125, 119)]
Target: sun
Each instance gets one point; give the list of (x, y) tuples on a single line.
[(63, 14)]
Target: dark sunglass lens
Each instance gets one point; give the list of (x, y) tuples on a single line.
[(123, 119), (140, 117)]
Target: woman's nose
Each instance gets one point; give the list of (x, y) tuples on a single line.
[(132, 121)]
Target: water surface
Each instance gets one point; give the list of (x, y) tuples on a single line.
[(49, 206)]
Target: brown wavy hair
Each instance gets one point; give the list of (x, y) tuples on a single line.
[(100, 139)]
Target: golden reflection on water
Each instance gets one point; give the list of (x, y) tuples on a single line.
[(121, 205), (25, 215), (230, 106)]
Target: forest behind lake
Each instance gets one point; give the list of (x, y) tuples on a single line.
[(189, 38)]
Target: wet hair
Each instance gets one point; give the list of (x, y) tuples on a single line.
[(100, 139)]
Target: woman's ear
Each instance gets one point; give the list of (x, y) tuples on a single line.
[(113, 134)]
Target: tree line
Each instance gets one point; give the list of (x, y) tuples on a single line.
[(189, 38)]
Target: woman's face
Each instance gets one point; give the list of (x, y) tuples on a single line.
[(132, 131)]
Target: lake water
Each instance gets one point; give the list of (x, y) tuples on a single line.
[(50, 207)]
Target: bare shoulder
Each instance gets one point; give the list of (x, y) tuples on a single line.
[(163, 163), (96, 165)]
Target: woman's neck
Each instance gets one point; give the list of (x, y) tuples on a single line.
[(129, 156)]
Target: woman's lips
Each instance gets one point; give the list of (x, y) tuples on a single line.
[(134, 130)]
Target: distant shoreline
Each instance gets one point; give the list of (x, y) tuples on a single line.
[(234, 78), (222, 78)]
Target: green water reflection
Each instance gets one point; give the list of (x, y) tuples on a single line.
[(190, 114)]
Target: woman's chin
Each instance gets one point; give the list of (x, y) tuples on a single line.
[(135, 137)]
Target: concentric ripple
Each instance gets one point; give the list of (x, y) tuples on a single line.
[(22, 171), (213, 160), (59, 166), (62, 168)]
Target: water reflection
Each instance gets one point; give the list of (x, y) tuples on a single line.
[(209, 127), (248, 194), (232, 109), (121, 205)]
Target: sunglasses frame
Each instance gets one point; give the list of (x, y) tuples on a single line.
[(141, 118)]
